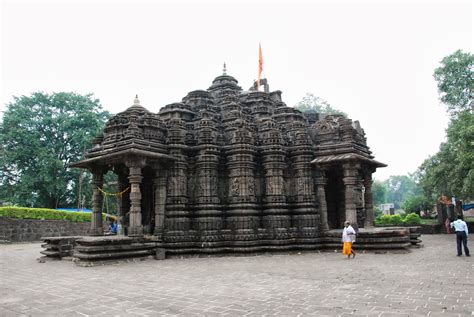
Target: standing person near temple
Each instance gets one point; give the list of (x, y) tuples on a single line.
[(460, 227), (348, 237)]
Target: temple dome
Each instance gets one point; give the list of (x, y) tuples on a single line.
[(225, 82), (134, 124)]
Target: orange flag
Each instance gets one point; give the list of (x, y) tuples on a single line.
[(260, 65)]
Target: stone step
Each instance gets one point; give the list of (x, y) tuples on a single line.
[(50, 246), (112, 255), (106, 240), (51, 253), (114, 247)]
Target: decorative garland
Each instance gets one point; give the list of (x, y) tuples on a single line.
[(106, 194)]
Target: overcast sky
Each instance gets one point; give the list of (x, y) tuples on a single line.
[(372, 60)]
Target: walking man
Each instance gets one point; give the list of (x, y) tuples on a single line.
[(461, 234)]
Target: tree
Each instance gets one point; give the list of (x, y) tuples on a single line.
[(456, 82), (379, 193), (417, 203), (39, 136), (451, 169), (400, 187), (312, 103)]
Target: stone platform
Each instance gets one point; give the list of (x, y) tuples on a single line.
[(375, 238), (90, 251), (101, 250), (59, 247), (379, 238)]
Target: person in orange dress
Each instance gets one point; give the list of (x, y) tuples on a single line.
[(348, 238)]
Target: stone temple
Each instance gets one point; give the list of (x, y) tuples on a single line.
[(232, 170)]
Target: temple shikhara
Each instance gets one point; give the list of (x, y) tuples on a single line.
[(227, 169)]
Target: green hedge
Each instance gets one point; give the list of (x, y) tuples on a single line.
[(397, 220), (44, 214)]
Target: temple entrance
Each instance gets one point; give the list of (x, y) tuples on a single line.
[(335, 197)]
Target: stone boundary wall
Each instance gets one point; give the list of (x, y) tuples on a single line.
[(438, 228), (22, 230)]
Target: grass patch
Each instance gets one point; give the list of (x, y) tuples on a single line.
[(429, 221)]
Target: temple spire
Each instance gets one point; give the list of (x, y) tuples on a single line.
[(136, 102), (224, 71)]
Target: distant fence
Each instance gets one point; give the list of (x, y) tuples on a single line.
[(438, 228), (74, 209)]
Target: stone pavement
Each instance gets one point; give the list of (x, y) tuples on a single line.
[(430, 281)]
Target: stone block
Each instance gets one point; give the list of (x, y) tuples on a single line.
[(160, 254)]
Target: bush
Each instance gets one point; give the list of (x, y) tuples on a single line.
[(43, 213), (385, 220), (412, 219), (397, 220)]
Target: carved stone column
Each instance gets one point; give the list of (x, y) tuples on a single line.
[(159, 183), (135, 178), (276, 215), (320, 182), (208, 220), (276, 219), (305, 218), (96, 223), (368, 200), (350, 181), (177, 220), (242, 215)]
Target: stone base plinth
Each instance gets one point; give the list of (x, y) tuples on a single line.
[(59, 247), (385, 238), (92, 251)]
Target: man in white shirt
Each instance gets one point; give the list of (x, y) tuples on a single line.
[(461, 234)]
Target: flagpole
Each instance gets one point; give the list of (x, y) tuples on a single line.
[(260, 65)]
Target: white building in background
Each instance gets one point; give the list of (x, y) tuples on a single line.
[(387, 209)]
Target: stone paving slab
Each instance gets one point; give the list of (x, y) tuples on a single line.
[(430, 281)]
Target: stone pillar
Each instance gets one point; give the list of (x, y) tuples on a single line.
[(276, 219), (350, 181), (208, 214), (276, 215), (177, 220), (305, 218), (320, 183), (242, 214), (135, 178), (159, 183), (368, 200), (97, 199)]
